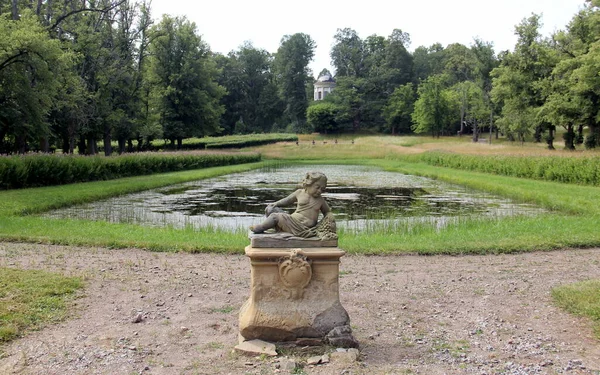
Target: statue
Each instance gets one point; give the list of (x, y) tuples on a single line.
[(303, 222)]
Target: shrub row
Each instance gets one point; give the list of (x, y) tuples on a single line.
[(44, 170), (573, 170), (229, 141)]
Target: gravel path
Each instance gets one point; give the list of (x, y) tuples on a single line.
[(411, 314)]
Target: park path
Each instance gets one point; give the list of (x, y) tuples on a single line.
[(412, 314)]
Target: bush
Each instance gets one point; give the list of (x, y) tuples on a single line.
[(582, 170), (44, 170), (322, 117)]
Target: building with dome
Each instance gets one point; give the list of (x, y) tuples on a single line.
[(324, 86)]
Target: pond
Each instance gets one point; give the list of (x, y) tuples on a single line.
[(359, 196)]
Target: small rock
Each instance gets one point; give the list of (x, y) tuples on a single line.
[(287, 364), (256, 347), (315, 360), (325, 358), (346, 357), (138, 318), (160, 303)]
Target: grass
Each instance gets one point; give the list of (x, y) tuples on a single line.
[(582, 298), (574, 212), (31, 299)]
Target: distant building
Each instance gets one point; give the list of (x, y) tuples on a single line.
[(324, 86)]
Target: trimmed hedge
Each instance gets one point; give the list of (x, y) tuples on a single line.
[(43, 170), (572, 170), (229, 141)]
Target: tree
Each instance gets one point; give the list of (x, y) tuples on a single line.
[(30, 62), (252, 95), (397, 112), (518, 81), (183, 73), (322, 116), (347, 54), (435, 108), (293, 74)]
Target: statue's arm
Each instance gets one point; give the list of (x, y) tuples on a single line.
[(325, 208), (290, 199)]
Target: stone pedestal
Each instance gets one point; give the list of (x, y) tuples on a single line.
[(294, 293)]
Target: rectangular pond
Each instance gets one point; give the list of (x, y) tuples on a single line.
[(360, 197)]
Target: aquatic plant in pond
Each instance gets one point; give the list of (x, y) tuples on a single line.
[(361, 198)]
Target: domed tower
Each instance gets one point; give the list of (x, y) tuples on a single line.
[(324, 86)]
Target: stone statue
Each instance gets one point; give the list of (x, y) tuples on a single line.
[(303, 222)]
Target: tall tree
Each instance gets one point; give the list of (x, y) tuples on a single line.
[(399, 108), (518, 81), (30, 62), (293, 74), (435, 108), (252, 101), (183, 73)]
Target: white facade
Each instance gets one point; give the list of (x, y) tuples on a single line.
[(324, 86)]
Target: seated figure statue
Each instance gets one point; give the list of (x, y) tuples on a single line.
[(303, 222)]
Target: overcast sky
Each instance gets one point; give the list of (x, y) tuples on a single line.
[(226, 24)]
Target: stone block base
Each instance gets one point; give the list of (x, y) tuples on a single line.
[(294, 294)]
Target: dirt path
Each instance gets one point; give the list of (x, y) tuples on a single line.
[(411, 314)]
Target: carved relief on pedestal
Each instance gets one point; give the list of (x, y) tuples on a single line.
[(295, 273)]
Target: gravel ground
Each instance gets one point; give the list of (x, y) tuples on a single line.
[(175, 313)]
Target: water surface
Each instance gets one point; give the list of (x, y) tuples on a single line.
[(358, 196)]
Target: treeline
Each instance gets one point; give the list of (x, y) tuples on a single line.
[(545, 83), (75, 73)]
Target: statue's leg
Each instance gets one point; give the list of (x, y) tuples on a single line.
[(269, 223)]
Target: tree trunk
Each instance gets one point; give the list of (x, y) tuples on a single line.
[(44, 145), (475, 132), (122, 142), (15, 10), (579, 134), (130, 145), (491, 126), (107, 143), (538, 134), (81, 145), (179, 143), (569, 137), (550, 139), (38, 9), (91, 146)]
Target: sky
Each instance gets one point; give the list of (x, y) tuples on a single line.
[(226, 24)]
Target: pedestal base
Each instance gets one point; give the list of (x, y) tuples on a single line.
[(294, 294)]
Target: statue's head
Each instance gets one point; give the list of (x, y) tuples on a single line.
[(312, 177)]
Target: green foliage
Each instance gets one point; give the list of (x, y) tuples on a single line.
[(291, 64), (580, 170), (582, 298), (322, 116), (399, 108), (252, 103), (43, 170), (436, 108), (185, 93), (30, 61), (30, 299)]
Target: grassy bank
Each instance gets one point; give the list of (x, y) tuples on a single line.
[(31, 299), (582, 298), (573, 217)]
